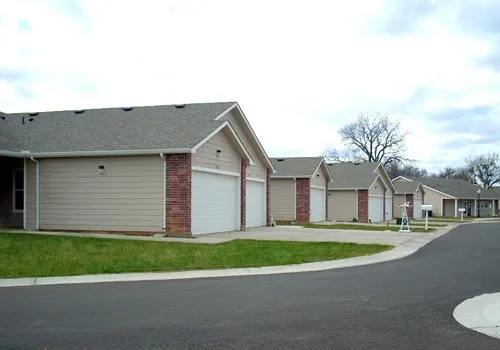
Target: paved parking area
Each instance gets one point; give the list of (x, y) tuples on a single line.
[(297, 233)]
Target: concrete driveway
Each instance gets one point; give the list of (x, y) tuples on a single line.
[(297, 233)]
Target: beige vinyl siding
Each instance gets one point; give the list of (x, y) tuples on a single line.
[(127, 197), (229, 159), (399, 199), (319, 181), (377, 188), (342, 205), (418, 195), (434, 198), (449, 207), (258, 170), (282, 199)]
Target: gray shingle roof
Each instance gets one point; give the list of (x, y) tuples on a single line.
[(295, 166), (142, 128), (353, 175), (458, 188), (404, 187)]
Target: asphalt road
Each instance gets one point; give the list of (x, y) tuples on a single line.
[(403, 304)]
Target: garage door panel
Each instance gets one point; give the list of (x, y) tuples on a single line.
[(388, 207), (417, 208), (375, 208), (214, 203), (318, 203), (255, 204)]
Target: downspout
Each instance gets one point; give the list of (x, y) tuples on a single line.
[(37, 224), (24, 194), (162, 155)]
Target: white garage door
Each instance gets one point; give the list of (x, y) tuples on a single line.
[(388, 208), (214, 203), (417, 208), (318, 204), (375, 208), (256, 204)]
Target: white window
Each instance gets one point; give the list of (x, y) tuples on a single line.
[(18, 191)]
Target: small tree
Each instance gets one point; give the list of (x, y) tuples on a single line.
[(484, 170), (371, 138)]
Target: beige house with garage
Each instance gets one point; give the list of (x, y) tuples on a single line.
[(299, 189), (360, 192), (447, 196), (408, 192), (175, 170)]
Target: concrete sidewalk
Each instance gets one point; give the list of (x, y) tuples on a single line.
[(282, 233), (481, 313), (408, 245)]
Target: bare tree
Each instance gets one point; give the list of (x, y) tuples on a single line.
[(455, 173), (447, 173), (484, 169), (407, 170), (372, 138)]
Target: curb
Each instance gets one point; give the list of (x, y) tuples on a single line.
[(403, 250), (481, 314)]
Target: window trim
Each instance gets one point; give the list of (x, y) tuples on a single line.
[(14, 190)]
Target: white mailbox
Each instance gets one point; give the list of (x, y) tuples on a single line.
[(461, 210), (427, 208)]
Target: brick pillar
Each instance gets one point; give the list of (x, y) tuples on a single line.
[(303, 200), (326, 200), (363, 206), (178, 195), (409, 198), (268, 197), (243, 195)]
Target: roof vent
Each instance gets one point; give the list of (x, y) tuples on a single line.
[(34, 114), (127, 109), (280, 159), (2, 117), (180, 106), (80, 111)]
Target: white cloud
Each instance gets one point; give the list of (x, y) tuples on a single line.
[(299, 69)]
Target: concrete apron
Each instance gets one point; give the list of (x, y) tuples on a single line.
[(402, 250)]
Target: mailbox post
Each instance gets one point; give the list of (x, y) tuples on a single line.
[(462, 211), (426, 208)]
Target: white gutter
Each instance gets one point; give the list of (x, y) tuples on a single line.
[(94, 153), (37, 224), (162, 155), (24, 194)]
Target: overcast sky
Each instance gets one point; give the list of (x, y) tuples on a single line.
[(299, 69)]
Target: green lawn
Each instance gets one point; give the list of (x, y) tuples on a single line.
[(367, 227), (25, 255)]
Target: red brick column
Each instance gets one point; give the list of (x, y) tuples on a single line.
[(363, 206), (326, 200), (178, 195), (409, 198), (303, 200), (243, 195), (268, 197)]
